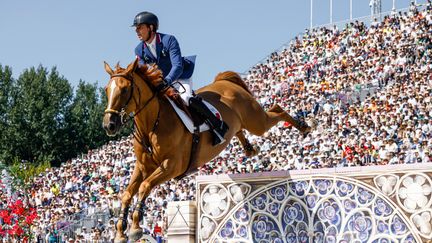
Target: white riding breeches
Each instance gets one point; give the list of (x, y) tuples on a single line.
[(184, 86)]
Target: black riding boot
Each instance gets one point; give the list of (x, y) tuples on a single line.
[(218, 127)]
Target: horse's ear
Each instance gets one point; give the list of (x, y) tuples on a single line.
[(108, 69), (132, 66)]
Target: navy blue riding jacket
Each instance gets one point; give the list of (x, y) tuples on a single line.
[(168, 58)]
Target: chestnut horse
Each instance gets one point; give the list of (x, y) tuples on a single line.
[(162, 143)]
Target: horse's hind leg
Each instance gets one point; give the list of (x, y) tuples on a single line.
[(257, 121), (250, 150), (127, 196), (301, 126)]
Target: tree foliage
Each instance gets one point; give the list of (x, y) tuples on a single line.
[(42, 119)]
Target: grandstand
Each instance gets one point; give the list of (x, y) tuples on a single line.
[(369, 87)]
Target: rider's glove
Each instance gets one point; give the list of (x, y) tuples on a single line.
[(172, 92), (162, 86)]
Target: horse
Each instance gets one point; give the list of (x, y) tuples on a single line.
[(162, 143)]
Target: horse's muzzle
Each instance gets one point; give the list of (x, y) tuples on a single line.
[(111, 123)]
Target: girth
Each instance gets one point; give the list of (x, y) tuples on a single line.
[(195, 135)]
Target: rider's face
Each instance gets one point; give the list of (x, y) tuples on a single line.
[(144, 32)]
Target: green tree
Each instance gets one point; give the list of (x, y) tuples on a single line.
[(86, 115), (41, 120), (83, 116), (6, 87), (37, 116)]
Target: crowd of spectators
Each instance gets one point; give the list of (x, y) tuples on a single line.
[(92, 185), (368, 87)]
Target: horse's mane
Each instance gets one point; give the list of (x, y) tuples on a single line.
[(151, 74), (233, 78)]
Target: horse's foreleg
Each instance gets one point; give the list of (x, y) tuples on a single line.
[(127, 196), (161, 174), (250, 150)]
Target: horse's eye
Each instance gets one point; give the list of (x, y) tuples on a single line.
[(124, 91)]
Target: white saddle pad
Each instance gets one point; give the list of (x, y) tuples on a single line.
[(188, 122)]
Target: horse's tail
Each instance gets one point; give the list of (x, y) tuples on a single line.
[(233, 78)]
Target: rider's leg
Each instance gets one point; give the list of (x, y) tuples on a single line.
[(218, 127), (185, 89)]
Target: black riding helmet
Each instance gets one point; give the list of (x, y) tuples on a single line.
[(146, 18)]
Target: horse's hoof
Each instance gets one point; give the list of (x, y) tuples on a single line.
[(120, 240), (249, 154), (253, 152), (308, 126), (312, 123), (135, 234), (307, 129)]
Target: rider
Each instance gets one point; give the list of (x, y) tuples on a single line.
[(164, 50)]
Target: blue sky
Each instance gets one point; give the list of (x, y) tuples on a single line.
[(77, 36)]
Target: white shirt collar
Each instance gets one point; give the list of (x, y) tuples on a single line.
[(153, 42), (152, 46)]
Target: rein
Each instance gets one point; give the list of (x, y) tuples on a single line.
[(122, 112), (147, 144), (124, 119)]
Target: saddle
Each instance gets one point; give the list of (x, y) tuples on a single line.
[(192, 121), (190, 118)]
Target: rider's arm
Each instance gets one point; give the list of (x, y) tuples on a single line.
[(139, 53), (176, 60)]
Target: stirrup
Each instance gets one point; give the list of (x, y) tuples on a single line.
[(217, 138), (219, 133)]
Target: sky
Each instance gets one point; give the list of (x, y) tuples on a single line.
[(78, 36)]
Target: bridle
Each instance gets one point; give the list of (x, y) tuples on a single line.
[(124, 118), (122, 112)]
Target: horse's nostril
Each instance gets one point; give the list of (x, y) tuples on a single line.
[(111, 126)]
